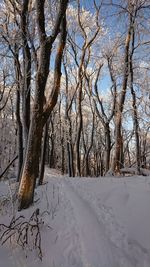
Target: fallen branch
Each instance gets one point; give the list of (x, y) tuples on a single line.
[(26, 233), (10, 163)]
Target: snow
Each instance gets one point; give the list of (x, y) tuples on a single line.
[(88, 222)]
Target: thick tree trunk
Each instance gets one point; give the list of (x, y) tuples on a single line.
[(41, 113), (31, 164)]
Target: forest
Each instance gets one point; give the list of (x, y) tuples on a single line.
[(75, 103), (74, 89)]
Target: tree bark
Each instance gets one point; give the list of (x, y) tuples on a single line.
[(108, 147), (19, 135), (41, 112), (43, 155), (26, 79), (134, 105), (18, 117), (79, 130), (70, 163), (52, 144)]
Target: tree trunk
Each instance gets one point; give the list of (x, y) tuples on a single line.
[(19, 135), (18, 117), (43, 155), (41, 112), (79, 130), (26, 79), (108, 147), (62, 155), (70, 154), (135, 115), (51, 156), (70, 163), (87, 169), (31, 164), (118, 122)]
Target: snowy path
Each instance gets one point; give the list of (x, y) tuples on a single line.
[(100, 247), (95, 223), (94, 243)]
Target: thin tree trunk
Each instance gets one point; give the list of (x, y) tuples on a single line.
[(87, 169), (19, 135), (52, 144), (70, 163), (18, 117), (134, 105), (79, 130), (43, 155), (118, 122), (108, 147), (62, 154), (26, 81)]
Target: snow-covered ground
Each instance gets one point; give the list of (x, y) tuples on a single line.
[(88, 222)]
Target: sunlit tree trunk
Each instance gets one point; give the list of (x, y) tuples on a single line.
[(41, 112)]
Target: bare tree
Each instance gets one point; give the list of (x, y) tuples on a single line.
[(41, 112)]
